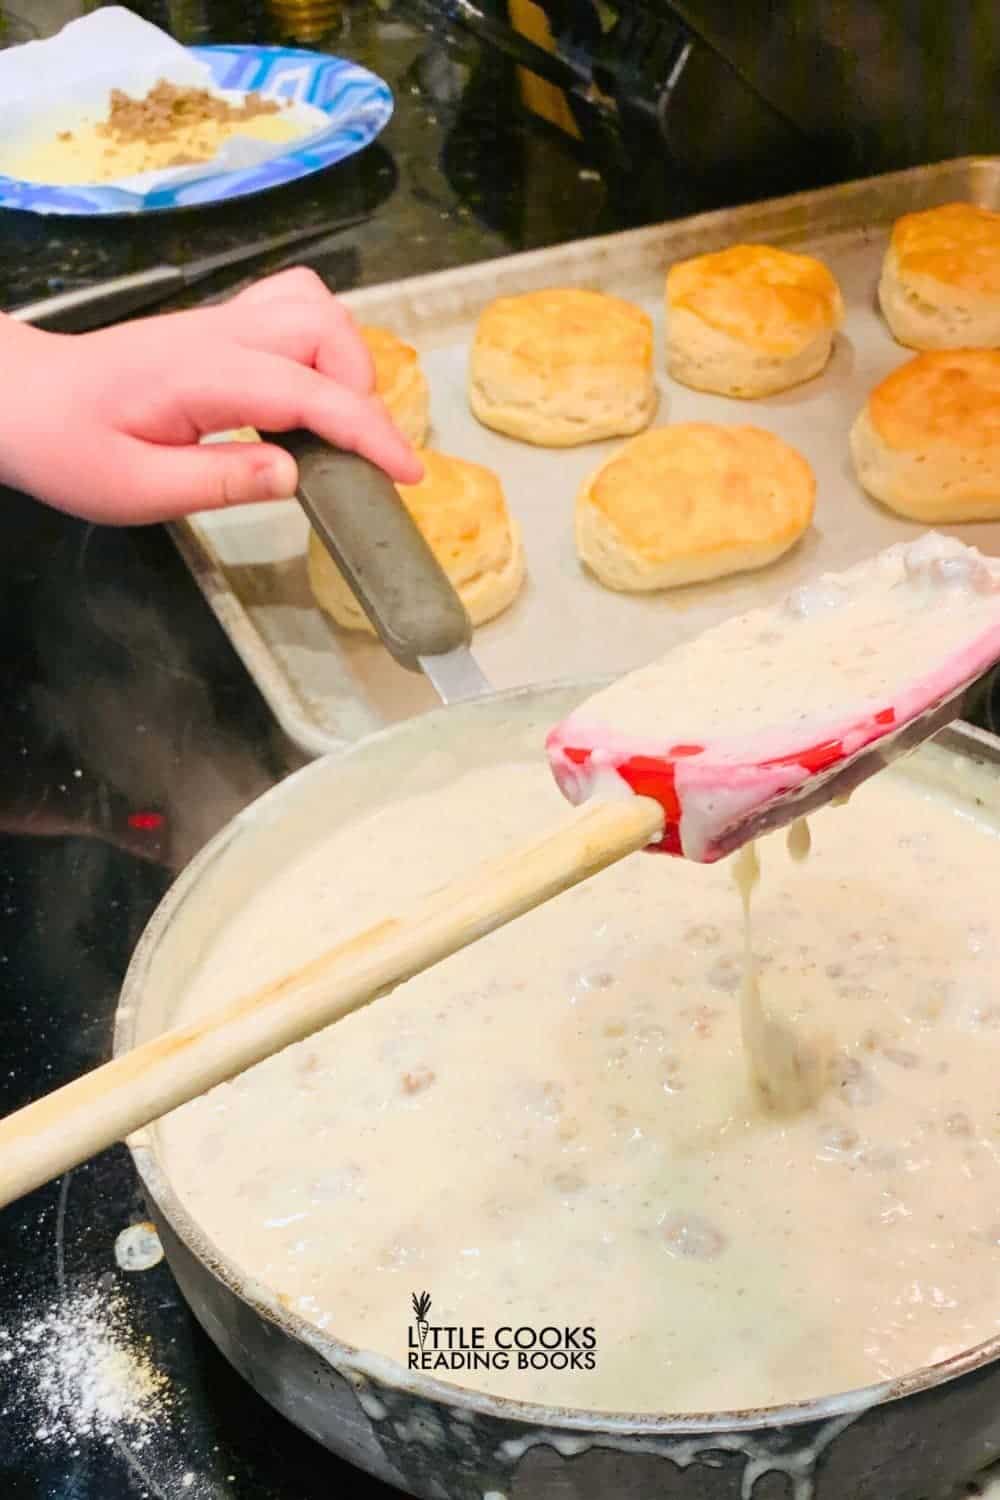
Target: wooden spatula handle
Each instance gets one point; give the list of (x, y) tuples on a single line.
[(44, 1139)]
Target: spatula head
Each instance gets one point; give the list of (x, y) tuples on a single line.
[(774, 713)]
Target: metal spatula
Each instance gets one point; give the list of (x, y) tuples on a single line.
[(393, 573)]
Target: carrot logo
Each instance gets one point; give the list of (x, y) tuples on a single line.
[(421, 1307)]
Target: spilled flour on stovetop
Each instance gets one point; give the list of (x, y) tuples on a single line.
[(88, 1373)]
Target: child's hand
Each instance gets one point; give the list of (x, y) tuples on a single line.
[(106, 425)]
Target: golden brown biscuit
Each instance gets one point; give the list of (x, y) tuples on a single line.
[(927, 443), (940, 286), (461, 512), (750, 320), (562, 366), (691, 502), (400, 383)]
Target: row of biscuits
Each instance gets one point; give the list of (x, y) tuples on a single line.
[(558, 368), (695, 501)]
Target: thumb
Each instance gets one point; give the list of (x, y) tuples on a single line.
[(161, 483)]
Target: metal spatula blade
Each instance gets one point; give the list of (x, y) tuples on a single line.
[(455, 675)]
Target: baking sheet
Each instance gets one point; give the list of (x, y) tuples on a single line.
[(326, 686)]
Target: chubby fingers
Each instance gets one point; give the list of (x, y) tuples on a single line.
[(277, 395), (298, 281), (295, 315), (137, 483), (247, 388)]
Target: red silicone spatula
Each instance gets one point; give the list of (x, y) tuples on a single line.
[(768, 716)]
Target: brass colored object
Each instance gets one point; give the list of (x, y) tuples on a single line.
[(306, 21), (541, 97)]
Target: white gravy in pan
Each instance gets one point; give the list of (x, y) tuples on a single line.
[(558, 1126)]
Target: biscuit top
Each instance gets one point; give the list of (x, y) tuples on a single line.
[(395, 362), (948, 398), (563, 326), (461, 511), (958, 244), (700, 488), (770, 299)]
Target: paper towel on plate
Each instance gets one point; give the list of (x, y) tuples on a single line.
[(66, 80)]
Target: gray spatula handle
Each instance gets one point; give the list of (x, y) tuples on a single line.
[(375, 543)]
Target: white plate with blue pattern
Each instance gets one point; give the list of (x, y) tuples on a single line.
[(357, 104)]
